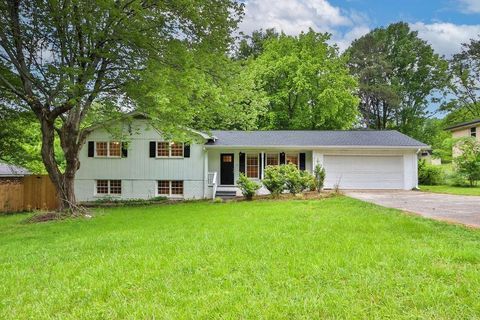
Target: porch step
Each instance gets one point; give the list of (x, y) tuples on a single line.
[(225, 194)]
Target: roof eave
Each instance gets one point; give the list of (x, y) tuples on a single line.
[(212, 146), (463, 125)]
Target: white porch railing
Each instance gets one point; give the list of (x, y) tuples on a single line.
[(212, 181)]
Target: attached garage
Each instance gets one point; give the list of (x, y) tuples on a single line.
[(364, 171)]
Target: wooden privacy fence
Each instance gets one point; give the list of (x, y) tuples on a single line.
[(27, 193)]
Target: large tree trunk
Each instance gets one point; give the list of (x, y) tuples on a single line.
[(63, 182)]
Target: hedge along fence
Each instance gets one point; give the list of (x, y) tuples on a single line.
[(28, 193)]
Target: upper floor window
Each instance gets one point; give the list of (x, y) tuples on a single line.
[(108, 149), (169, 149), (272, 159), (473, 132), (291, 158)]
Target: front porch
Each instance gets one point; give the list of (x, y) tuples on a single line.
[(225, 165)]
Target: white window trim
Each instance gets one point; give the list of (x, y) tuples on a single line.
[(246, 166), (169, 151), (108, 150), (473, 132), (170, 195), (95, 193)]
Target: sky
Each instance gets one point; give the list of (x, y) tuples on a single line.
[(445, 24)]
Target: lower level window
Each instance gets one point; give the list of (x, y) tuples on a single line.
[(109, 186), (170, 187)]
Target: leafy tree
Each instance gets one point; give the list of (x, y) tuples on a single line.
[(399, 76), (253, 45), (432, 132), (465, 68), (307, 84), (69, 61), (467, 163)]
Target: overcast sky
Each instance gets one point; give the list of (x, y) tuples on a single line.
[(444, 23)]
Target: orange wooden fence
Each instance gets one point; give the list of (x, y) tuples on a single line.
[(28, 193)]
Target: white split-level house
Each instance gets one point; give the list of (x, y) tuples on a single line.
[(148, 165)]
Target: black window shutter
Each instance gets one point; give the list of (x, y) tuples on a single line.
[(242, 163), (282, 157), (152, 149), (186, 150), (124, 149), (260, 165), (302, 161), (91, 149)]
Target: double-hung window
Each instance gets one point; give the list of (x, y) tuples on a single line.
[(170, 188), (252, 165), (291, 158), (272, 159), (112, 149), (169, 149), (112, 187), (473, 132)]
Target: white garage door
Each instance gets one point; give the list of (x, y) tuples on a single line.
[(364, 172)]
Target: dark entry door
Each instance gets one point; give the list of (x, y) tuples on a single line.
[(226, 169)]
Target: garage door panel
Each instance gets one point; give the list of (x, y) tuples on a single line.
[(364, 172)]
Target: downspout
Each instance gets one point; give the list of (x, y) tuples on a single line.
[(416, 169)]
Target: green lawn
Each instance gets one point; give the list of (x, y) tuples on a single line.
[(469, 191), (332, 258)]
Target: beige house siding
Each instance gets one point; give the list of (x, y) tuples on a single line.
[(463, 133)]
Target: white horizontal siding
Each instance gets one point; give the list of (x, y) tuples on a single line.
[(138, 172)]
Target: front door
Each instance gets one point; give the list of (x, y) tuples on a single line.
[(226, 169)]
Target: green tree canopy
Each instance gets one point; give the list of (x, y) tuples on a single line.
[(66, 60), (307, 83), (465, 68), (399, 74)]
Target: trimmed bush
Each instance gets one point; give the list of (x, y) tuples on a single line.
[(429, 175), (274, 180), (308, 181), (248, 187), (294, 181)]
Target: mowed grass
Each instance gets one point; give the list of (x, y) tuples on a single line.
[(467, 191), (332, 258)]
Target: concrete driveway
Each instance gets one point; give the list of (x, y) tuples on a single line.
[(446, 207)]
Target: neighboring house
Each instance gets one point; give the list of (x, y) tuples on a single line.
[(427, 155), (463, 130), (10, 171), (146, 165)]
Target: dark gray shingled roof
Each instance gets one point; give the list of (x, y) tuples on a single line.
[(463, 124), (317, 138), (9, 170)]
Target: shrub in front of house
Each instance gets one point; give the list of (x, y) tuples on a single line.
[(429, 175), (247, 186), (294, 180), (274, 180), (308, 181)]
